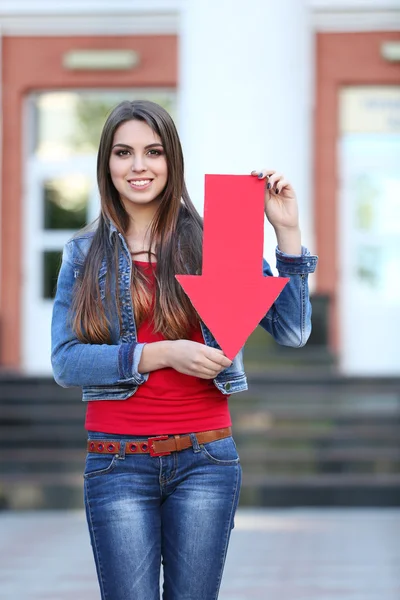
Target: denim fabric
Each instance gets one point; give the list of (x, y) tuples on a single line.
[(178, 508), (110, 371)]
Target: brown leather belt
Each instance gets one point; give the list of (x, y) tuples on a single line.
[(160, 445)]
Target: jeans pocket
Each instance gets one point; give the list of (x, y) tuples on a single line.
[(99, 464), (221, 452)]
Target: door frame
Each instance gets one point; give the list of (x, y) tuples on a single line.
[(42, 69), (342, 59)]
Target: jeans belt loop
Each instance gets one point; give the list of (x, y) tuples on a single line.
[(122, 446), (195, 443)]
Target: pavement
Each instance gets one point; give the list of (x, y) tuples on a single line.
[(294, 554)]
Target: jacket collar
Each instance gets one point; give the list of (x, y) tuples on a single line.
[(112, 230)]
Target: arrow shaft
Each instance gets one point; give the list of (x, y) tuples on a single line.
[(233, 223)]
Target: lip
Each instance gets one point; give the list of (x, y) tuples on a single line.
[(132, 183)]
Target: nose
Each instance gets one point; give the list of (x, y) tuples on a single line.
[(138, 164)]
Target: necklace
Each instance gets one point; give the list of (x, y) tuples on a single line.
[(142, 252)]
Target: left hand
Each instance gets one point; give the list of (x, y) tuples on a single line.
[(280, 200)]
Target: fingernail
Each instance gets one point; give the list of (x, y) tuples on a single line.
[(268, 186), (260, 175)]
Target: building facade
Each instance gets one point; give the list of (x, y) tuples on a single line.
[(311, 88)]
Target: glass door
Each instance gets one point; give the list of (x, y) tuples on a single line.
[(369, 230), (60, 196)]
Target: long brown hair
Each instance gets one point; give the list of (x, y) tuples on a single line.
[(176, 233)]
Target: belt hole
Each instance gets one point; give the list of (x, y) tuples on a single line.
[(144, 446), (111, 447), (100, 447), (92, 446), (133, 447)]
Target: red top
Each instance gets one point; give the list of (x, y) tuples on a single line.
[(169, 402)]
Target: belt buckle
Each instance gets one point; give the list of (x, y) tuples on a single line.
[(158, 438)]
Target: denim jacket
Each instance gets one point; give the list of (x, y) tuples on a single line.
[(110, 371)]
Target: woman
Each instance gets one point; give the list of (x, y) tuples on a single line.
[(162, 476)]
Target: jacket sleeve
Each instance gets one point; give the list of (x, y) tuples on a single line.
[(79, 364), (289, 318)]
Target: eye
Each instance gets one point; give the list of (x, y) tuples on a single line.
[(154, 152), (122, 152)]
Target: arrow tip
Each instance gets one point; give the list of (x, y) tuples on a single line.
[(231, 315)]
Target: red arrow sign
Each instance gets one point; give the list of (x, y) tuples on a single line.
[(232, 295)]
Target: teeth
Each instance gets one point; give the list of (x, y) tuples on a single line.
[(141, 183)]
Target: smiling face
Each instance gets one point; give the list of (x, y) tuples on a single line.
[(138, 165)]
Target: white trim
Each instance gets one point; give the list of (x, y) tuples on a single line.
[(355, 15), (169, 24), (355, 20), (162, 17), (92, 7), (85, 25), (359, 5), (64, 7)]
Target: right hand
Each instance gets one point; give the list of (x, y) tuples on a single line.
[(199, 360)]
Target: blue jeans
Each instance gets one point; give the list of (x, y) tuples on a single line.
[(178, 509)]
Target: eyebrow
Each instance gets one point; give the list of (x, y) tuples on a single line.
[(157, 144)]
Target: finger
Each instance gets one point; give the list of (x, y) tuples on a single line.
[(259, 174), (226, 362), (216, 359), (206, 369), (220, 359), (206, 374), (280, 185), (263, 173), (272, 181)]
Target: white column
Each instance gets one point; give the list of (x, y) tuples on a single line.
[(246, 95), (1, 142)]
